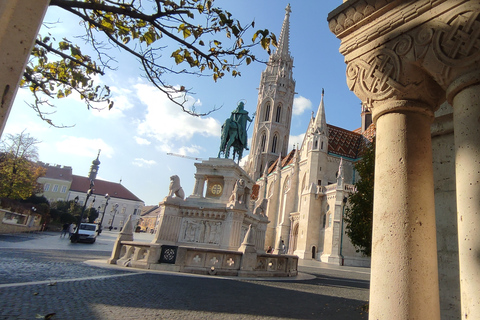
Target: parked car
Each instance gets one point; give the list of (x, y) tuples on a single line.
[(86, 233)]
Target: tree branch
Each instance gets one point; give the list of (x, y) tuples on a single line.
[(66, 56)]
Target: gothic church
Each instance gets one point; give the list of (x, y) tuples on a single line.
[(307, 189)]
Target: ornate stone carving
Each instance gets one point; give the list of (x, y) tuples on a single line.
[(420, 62), (204, 231)]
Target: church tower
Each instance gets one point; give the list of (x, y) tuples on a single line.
[(274, 108)]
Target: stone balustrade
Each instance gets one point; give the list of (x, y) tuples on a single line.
[(203, 261)]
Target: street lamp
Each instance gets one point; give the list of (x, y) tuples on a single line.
[(75, 236), (345, 199), (107, 197), (114, 209)]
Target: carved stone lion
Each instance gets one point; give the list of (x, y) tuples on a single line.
[(238, 193), (175, 188)]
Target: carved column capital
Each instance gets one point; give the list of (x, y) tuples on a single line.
[(430, 53), (380, 76)]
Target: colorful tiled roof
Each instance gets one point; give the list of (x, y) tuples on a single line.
[(345, 143), (341, 142), (285, 161), (114, 190)]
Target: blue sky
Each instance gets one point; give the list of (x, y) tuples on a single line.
[(136, 135)]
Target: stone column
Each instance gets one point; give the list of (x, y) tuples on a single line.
[(199, 186), (404, 283), (19, 25), (466, 118)]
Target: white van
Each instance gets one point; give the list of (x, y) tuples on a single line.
[(87, 232)]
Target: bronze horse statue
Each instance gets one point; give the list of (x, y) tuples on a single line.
[(230, 138), (234, 133)]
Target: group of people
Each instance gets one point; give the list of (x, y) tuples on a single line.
[(68, 228), (283, 248)]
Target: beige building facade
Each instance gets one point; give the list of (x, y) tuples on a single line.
[(56, 182)]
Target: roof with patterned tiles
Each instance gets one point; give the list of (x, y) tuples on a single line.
[(341, 142)]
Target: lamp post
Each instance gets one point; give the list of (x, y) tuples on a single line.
[(107, 197), (74, 237), (114, 209), (345, 199), (91, 176)]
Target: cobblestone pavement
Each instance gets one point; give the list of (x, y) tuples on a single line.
[(36, 283)]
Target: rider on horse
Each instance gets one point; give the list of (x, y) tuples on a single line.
[(234, 132)]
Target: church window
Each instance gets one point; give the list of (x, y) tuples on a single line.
[(267, 112), (279, 113), (274, 144), (324, 220), (321, 146), (262, 144), (315, 145)]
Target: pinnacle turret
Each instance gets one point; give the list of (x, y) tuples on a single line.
[(320, 124)]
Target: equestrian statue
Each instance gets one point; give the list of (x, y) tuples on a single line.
[(234, 133)]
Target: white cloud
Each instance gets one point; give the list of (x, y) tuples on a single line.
[(192, 150), (139, 162), (294, 140), (301, 104), (84, 147), (142, 141), (167, 123)]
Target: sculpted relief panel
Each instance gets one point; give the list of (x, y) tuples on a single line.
[(201, 231)]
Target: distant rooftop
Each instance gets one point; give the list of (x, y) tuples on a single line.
[(102, 187), (57, 171)]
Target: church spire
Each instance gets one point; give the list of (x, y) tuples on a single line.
[(320, 120), (284, 40)]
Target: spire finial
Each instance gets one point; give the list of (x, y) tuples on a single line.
[(284, 40), (320, 120)]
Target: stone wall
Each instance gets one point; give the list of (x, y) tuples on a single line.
[(9, 225)]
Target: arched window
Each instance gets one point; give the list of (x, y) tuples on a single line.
[(274, 144), (263, 141), (267, 112), (279, 113)]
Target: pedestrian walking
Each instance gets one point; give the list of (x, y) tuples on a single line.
[(71, 229), (65, 228)]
